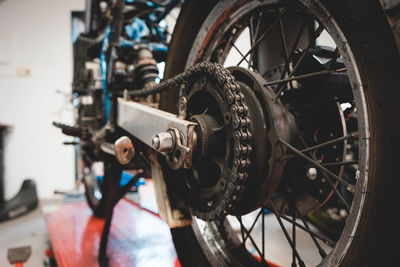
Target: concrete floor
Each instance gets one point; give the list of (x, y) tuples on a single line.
[(30, 229), (27, 230)]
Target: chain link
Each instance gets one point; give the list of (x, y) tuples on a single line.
[(240, 119)]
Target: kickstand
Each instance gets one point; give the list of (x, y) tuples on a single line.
[(114, 192)]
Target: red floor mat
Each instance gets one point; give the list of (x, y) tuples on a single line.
[(137, 237)]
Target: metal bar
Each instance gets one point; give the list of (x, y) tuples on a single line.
[(253, 35), (242, 233), (334, 186), (293, 230), (326, 240), (241, 54), (349, 187), (301, 263), (305, 76), (320, 249), (285, 47), (248, 234), (340, 163), (252, 226), (296, 42), (262, 37), (145, 122), (327, 143), (263, 233), (317, 33)]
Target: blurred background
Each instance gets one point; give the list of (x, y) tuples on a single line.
[(35, 78)]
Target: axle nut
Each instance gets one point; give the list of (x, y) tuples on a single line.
[(163, 142)]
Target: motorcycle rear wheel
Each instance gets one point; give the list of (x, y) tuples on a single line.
[(360, 31)]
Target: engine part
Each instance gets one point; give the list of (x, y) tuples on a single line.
[(146, 70), (235, 116), (150, 121), (216, 185)]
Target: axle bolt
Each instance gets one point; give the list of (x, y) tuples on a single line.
[(163, 142)]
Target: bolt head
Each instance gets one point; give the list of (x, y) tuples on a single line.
[(312, 173), (156, 142), (163, 142)]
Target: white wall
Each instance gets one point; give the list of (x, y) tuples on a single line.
[(35, 38)]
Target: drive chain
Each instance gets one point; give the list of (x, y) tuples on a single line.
[(240, 119)]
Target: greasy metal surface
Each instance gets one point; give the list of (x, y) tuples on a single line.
[(137, 237), (266, 172), (145, 122), (177, 158), (170, 214)]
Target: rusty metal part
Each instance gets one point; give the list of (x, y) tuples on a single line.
[(163, 142), (235, 117), (182, 106), (150, 121), (173, 216), (146, 68), (176, 157), (124, 150)]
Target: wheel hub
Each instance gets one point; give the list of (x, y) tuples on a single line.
[(207, 189), (269, 124)]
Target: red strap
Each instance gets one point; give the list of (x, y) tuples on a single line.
[(18, 264)]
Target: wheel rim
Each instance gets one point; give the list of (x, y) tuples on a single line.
[(215, 245)]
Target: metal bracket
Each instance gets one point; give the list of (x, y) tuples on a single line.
[(145, 123)]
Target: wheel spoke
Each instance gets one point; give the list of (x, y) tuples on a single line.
[(348, 186), (320, 249), (284, 46), (324, 239), (243, 228), (327, 143), (253, 35), (254, 45), (252, 226), (334, 186), (305, 76), (296, 42), (301, 263), (282, 87), (242, 231), (241, 54), (340, 163), (326, 172), (315, 104), (284, 41), (294, 233), (263, 234)]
